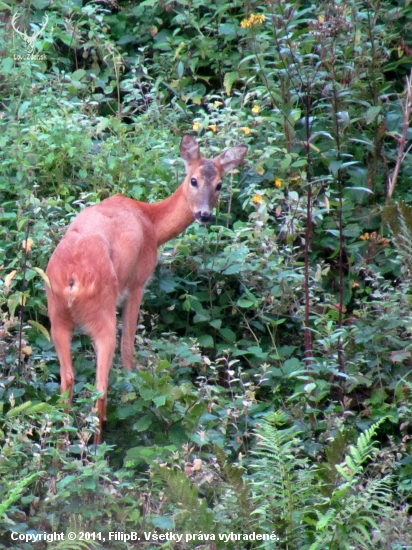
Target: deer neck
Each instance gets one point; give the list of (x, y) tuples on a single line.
[(169, 217)]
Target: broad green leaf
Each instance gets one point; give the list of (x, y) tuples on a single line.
[(160, 400), (228, 334), (242, 302), (229, 80), (143, 423), (372, 113), (7, 63), (206, 341), (78, 75)]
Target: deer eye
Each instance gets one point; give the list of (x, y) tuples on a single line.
[(219, 186), (193, 182)]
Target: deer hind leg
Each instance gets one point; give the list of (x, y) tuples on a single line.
[(103, 335), (61, 333), (129, 323)]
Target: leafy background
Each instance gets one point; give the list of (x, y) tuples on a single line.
[(272, 393)]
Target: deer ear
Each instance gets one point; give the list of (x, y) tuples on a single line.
[(189, 149), (231, 158)]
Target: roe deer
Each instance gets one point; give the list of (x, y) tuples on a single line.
[(107, 256)]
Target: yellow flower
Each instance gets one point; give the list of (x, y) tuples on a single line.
[(257, 198), (255, 109), (245, 129), (196, 126), (259, 18), (212, 127), (364, 237), (260, 170), (278, 182), (252, 20)]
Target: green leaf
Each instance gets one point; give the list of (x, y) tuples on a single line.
[(229, 80), (286, 162), (310, 387), (163, 522), (147, 393), (127, 39), (206, 341), (143, 423), (232, 269), (125, 411), (103, 124), (228, 29), (14, 301), (146, 376), (160, 400), (228, 334), (242, 302), (201, 317), (291, 365), (362, 189), (78, 75), (7, 63), (257, 352), (372, 113), (23, 108), (334, 167)]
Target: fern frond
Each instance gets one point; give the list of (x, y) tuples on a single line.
[(29, 408), (356, 505), (20, 409), (15, 492), (281, 486), (359, 453), (195, 513), (325, 519)]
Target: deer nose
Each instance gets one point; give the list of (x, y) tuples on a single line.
[(203, 216)]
